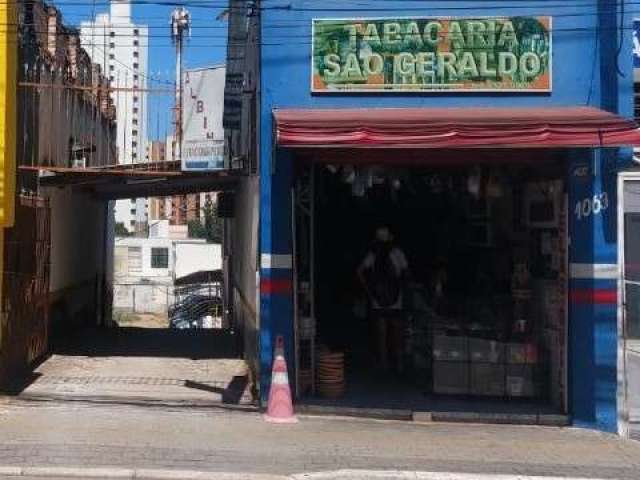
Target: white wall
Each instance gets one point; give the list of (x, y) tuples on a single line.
[(80, 253), (146, 244), (193, 257), (152, 290)]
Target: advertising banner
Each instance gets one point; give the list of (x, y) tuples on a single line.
[(198, 155), (432, 54)]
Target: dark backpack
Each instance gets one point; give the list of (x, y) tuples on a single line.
[(384, 282)]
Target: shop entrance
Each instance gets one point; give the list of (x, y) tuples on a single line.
[(629, 334), (479, 322)]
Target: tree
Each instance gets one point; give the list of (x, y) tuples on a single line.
[(196, 229), (211, 228), (212, 223), (120, 230)]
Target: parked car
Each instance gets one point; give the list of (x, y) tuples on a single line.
[(196, 311)]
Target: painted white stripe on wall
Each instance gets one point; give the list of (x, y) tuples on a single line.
[(268, 260), (597, 271)]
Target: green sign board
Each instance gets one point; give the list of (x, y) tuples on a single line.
[(432, 54)]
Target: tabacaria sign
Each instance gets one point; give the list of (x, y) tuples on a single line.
[(432, 54)]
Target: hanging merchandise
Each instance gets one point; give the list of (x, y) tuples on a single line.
[(494, 187), (474, 183), (358, 188), (436, 184), (348, 174)]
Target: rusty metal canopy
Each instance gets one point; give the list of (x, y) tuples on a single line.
[(117, 182)]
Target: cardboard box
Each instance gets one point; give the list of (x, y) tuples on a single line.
[(450, 349), (487, 379), (486, 351), (521, 353), (451, 377), (521, 381)]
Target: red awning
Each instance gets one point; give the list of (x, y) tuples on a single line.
[(454, 128)]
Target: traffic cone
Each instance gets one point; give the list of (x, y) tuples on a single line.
[(280, 404)]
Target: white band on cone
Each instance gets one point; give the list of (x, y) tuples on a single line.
[(279, 378)]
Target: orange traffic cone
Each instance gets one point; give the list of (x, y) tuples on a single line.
[(280, 404)]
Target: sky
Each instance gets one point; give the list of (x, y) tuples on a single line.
[(207, 46)]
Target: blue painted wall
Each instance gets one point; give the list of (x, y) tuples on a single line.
[(592, 65)]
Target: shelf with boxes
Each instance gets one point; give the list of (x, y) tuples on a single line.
[(471, 366)]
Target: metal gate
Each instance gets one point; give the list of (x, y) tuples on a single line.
[(26, 288), (629, 296)]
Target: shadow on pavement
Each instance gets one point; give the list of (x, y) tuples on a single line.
[(145, 342)]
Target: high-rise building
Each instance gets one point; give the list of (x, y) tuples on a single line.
[(121, 47)]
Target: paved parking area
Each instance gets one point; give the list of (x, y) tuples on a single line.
[(143, 365)]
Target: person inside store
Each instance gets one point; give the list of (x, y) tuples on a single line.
[(384, 273)]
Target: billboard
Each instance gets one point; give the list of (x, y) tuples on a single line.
[(497, 54), (203, 133), (201, 155)]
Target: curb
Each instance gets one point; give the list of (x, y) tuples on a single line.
[(9, 472), (547, 420), (106, 473)]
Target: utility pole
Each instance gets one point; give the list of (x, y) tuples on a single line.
[(180, 25)]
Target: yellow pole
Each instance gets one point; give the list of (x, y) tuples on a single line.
[(8, 127)]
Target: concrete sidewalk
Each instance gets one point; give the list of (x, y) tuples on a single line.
[(83, 434)]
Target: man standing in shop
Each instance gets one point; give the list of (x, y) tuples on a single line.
[(383, 274)]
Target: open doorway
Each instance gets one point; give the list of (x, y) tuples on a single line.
[(167, 270), (168, 339), (481, 318)]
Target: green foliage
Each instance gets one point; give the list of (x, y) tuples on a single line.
[(196, 229), (120, 230), (211, 229)]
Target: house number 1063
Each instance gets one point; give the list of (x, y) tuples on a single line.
[(592, 206)]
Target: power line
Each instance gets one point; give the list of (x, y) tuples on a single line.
[(307, 37), (498, 4)]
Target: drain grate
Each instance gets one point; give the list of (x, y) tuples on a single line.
[(109, 380)]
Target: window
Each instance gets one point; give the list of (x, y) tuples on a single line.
[(133, 211), (112, 34), (135, 109), (136, 66), (112, 56), (135, 99), (112, 45), (111, 79), (112, 68), (134, 156), (135, 32), (135, 42), (135, 77), (135, 54), (134, 144), (159, 258), (133, 200), (134, 121), (134, 133)]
